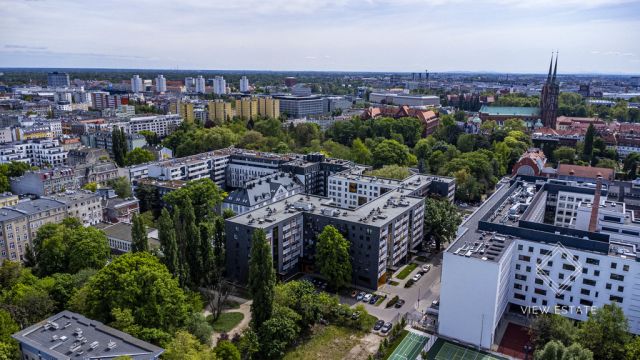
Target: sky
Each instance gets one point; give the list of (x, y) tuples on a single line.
[(507, 36)]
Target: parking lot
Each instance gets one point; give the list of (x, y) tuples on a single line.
[(417, 297)]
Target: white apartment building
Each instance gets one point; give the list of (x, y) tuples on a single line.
[(161, 84), (244, 84), (200, 85), (207, 165), (162, 125), (499, 266), (84, 205), (220, 85), (38, 153), (136, 84)]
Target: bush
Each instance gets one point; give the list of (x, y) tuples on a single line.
[(409, 283), (393, 301)]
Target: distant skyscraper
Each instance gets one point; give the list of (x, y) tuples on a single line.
[(161, 84), (220, 85), (549, 97), (200, 85), (136, 84), (244, 84), (58, 79), (189, 83)]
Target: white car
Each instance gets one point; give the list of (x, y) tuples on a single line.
[(367, 298), (426, 268), (416, 277)]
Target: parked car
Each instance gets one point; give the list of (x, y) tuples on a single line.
[(399, 304), (386, 328), (426, 268), (416, 277), (355, 315), (379, 324), (360, 296), (374, 299), (367, 297)]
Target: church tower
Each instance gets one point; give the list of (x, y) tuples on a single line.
[(549, 97)]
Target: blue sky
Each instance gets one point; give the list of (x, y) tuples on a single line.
[(353, 35)]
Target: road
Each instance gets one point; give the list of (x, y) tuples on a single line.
[(418, 297)]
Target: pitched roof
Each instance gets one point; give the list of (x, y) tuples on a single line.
[(589, 172), (510, 110)]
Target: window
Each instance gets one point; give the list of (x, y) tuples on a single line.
[(585, 291), (540, 291), (608, 286), (589, 282), (620, 288), (568, 267), (517, 286), (521, 277), (524, 258), (614, 265), (586, 302), (520, 247), (596, 272), (519, 296), (617, 299), (625, 267), (539, 281), (545, 252), (616, 277)]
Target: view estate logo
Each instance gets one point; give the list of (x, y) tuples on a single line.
[(560, 252)]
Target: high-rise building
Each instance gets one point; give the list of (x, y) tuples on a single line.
[(219, 110), (220, 85), (549, 98), (189, 83), (161, 84), (247, 108), (244, 84), (58, 79), (136, 84), (186, 111), (200, 85), (269, 107)]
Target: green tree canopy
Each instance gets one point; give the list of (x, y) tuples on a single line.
[(122, 187), (332, 257), (262, 279), (138, 156), (605, 333), (441, 221), (392, 152)]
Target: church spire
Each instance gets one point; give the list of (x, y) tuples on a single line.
[(555, 69), (550, 64)]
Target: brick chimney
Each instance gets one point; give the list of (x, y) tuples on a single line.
[(593, 221)]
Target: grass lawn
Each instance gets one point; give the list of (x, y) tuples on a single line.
[(382, 298), (227, 321), (394, 283), (406, 271), (422, 258), (331, 342), (395, 343)]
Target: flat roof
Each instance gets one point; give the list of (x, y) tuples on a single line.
[(376, 212), (68, 335), (509, 110)]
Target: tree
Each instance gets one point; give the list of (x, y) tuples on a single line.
[(186, 346), (150, 136), (262, 279), (360, 153), (606, 333), (565, 155), (91, 186), (119, 145), (225, 350), (514, 125), (441, 221), (632, 349), (138, 156), (392, 152), (139, 238), (332, 257), (8, 346), (555, 350), (587, 151), (391, 172), (69, 247), (122, 187), (199, 327), (549, 327), (607, 163), (631, 165), (203, 194), (168, 244), (140, 283), (278, 332)]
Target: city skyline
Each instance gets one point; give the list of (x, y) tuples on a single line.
[(500, 36)]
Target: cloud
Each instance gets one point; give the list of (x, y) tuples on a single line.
[(26, 47)]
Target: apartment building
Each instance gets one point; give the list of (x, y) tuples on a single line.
[(244, 166), (101, 100), (300, 106), (211, 165), (162, 125), (45, 182), (262, 192), (269, 107), (186, 111), (381, 234), (247, 108), (19, 224), (61, 336), (41, 153), (103, 140), (83, 205), (500, 264), (219, 111)]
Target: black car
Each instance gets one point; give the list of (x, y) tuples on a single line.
[(374, 299), (378, 325), (399, 304)]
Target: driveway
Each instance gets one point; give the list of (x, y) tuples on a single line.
[(418, 297)]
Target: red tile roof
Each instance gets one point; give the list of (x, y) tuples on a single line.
[(589, 172)]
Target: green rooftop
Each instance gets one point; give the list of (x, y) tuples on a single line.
[(510, 110)]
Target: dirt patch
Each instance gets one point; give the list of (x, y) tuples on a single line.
[(368, 346)]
